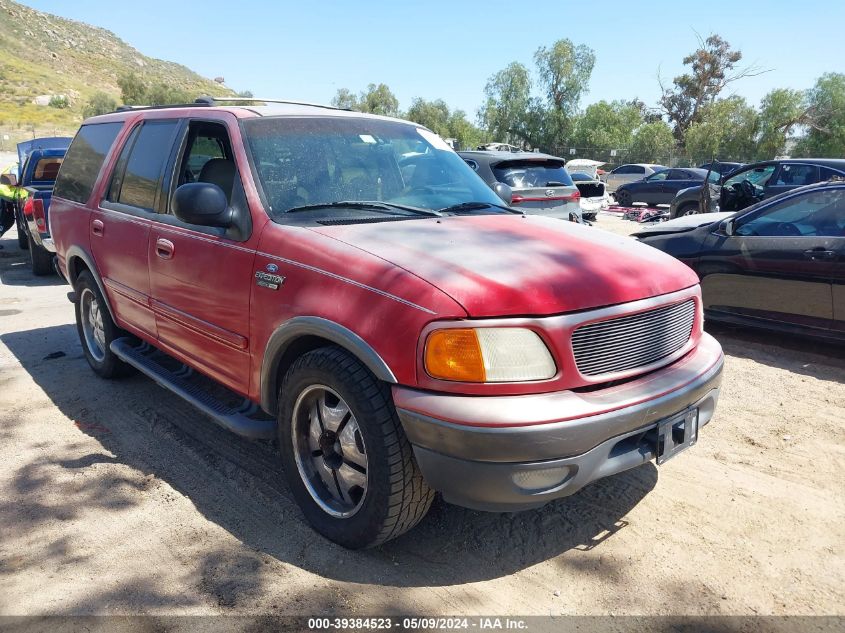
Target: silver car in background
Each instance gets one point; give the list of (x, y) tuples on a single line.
[(539, 182), (631, 172)]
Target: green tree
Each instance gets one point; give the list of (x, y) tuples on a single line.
[(99, 103), (378, 99), (781, 111), (607, 125), (726, 130), (564, 72), (713, 67), (344, 98), (162, 94), (507, 99), (133, 90), (60, 102), (825, 118), (432, 114), (652, 142)]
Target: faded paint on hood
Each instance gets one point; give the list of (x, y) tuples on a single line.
[(496, 265)]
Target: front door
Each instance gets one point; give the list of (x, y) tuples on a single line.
[(779, 263), (201, 277)]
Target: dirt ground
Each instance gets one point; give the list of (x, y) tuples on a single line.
[(118, 498)]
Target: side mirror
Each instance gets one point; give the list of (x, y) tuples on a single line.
[(728, 227), (504, 192), (10, 180), (202, 203)]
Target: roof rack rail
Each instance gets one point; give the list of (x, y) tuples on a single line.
[(128, 108), (210, 101)]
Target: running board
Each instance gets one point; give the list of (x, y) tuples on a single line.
[(237, 420)]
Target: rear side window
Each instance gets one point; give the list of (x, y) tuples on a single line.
[(144, 157), (84, 159), (532, 173)]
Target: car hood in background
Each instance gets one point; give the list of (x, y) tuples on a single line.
[(685, 223), (497, 265)]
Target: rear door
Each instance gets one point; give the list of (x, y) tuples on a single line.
[(120, 226), (201, 277), (790, 176), (780, 263)]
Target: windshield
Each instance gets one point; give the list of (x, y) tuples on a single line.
[(312, 161), (524, 174)]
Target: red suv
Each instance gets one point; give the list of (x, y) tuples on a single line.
[(345, 284)]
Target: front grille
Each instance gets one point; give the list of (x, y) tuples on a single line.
[(632, 341)]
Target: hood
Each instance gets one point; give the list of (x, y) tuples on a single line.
[(497, 265), (686, 223)]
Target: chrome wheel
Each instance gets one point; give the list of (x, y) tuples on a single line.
[(329, 451), (92, 325)]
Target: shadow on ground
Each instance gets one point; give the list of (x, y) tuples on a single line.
[(237, 484)]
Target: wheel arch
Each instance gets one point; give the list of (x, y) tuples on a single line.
[(77, 261), (299, 336)]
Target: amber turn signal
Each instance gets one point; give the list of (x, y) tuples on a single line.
[(455, 354)]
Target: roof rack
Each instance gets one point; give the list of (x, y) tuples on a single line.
[(127, 108), (210, 101)]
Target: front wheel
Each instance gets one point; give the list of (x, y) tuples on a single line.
[(687, 209), (623, 198), (345, 455)]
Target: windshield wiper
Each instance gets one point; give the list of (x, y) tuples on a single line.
[(377, 206), (476, 206)]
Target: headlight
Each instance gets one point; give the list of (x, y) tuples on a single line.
[(494, 354)]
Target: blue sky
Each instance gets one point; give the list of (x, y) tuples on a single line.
[(439, 49)]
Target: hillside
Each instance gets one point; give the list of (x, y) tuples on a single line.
[(43, 54)]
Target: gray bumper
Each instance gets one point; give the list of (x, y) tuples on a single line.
[(479, 467)]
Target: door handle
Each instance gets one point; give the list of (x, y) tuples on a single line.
[(97, 227), (164, 248), (820, 253)]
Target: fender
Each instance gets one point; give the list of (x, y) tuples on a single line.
[(76, 251), (297, 327)]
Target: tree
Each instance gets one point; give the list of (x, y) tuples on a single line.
[(713, 67), (378, 99), (652, 142), (245, 94), (825, 118), (781, 111), (60, 102), (564, 72), (162, 94), (607, 125), (99, 103), (345, 99), (432, 114), (133, 91), (726, 130), (504, 114)]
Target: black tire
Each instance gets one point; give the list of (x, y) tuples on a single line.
[(102, 360), (23, 237), (396, 497), (40, 259), (690, 208), (623, 198)]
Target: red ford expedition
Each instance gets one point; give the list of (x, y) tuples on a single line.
[(345, 284)]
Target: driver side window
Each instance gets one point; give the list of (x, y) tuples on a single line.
[(817, 213), (757, 176)]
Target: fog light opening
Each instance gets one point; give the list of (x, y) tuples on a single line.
[(541, 480)]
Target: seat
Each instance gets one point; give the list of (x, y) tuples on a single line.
[(220, 172)]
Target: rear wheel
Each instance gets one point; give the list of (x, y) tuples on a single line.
[(345, 455), (97, 330), (40, 258), (623, 198), (687, 209)]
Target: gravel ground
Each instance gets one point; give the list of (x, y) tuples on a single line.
[(118, 498)]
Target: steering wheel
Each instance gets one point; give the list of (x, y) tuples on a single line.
[(787, 229), (748, 189)]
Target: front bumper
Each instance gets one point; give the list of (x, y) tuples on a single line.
[(474, 449)]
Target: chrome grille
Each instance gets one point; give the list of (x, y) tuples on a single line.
[(636, 340)]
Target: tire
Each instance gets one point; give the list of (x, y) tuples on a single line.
[(623, 198), (23, 238), (102, 360), (690, 208), (356, 443), (40, 258)]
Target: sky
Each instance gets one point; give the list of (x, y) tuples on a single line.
[(448, 49)]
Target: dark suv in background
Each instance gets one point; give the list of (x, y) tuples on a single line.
[(758, 181)]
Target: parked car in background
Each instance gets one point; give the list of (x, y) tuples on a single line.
[(779, 264), (628, 173), (764, 180), (594, 196), (42, 159), (394, 327), (585, 166), (539, 183), (661, 186)]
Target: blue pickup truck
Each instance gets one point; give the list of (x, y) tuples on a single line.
[(40, 160)]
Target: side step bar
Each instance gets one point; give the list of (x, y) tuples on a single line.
[(235, 420)]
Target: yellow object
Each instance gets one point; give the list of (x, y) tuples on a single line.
[(7, 192), (455, 354)]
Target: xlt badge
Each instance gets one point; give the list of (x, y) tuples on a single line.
[(267, 280)]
